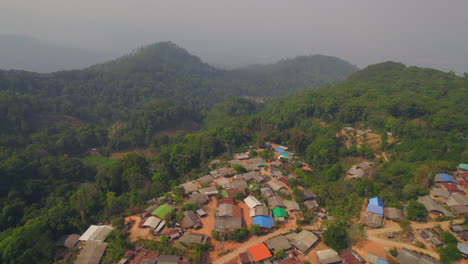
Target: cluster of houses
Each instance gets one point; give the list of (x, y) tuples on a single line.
[(358, 170), (449, 191), (265, 193), (289, 243), (376, 213)]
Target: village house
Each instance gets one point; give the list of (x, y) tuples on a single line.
[(189, 187), (393, 214), (193, 238), (266, 192), (152, 222), (278, 243), (198, 198), (252, 176), (303, 240), (201, 212), (168, 259), (309, 195), (312, 205), (68, 241), (228, 224), (292, 206), (275, 185), (241, 156), (265, 222), (252, 202), (275, 201), (96, 233), (191, 220), (406, 256), (205, 179), (239, 184), (92, 253), (227, 209), (223, 182), (433, 207), (373, 259), (260, 210), (253, 164), (259, 253), (440, 193), (373, 220), (328, 256), (209, 190)]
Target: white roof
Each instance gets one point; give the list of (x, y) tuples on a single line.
[(96, 233), (252, 201), (152, 222)]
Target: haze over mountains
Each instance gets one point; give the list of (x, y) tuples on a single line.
[(29, 54)]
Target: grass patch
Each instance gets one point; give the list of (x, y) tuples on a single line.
[(98, 161)]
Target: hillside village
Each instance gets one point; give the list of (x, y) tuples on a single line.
[(246, 211)]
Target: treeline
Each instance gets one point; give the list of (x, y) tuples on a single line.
[(146, 91)]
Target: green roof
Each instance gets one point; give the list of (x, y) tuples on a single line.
[(262, 165), (224, 194), (280, 212), (162, 211), (463, 166)]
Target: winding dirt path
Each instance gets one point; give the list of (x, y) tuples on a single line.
[(373, 235)]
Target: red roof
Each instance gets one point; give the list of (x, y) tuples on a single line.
[(349, 258), (452, 187), (244, 257), (259, 252), (226, 200), (284, 179), (232, 192), (236, 211)]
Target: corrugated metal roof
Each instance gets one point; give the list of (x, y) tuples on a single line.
[(443, 177), (372, 208), (278, 243), (328, 256), (97, 233), (92, 253), (263, 221), (252, 202), (152, 222)]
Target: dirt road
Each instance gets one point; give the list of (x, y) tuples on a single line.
[(372, 235)]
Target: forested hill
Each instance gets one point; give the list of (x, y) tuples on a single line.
[(290, 75), (146, 91), (425, 107)]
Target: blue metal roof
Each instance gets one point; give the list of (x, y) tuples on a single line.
[(443, 177), (376, 201), (372, 208), (263, 221), (285, 155), (382, 261), (279, 149)]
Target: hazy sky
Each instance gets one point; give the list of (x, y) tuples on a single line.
[(417, 32)]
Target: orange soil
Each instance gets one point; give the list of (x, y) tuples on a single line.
[(137, 233)]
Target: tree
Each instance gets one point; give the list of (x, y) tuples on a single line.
[(239, 168), (240, 196), (416, 210), (449, 254), (448, 238), (280, 254), (85, 199), (335, 236), (255, 229)]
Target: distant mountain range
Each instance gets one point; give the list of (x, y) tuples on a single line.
[(29, 54)]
